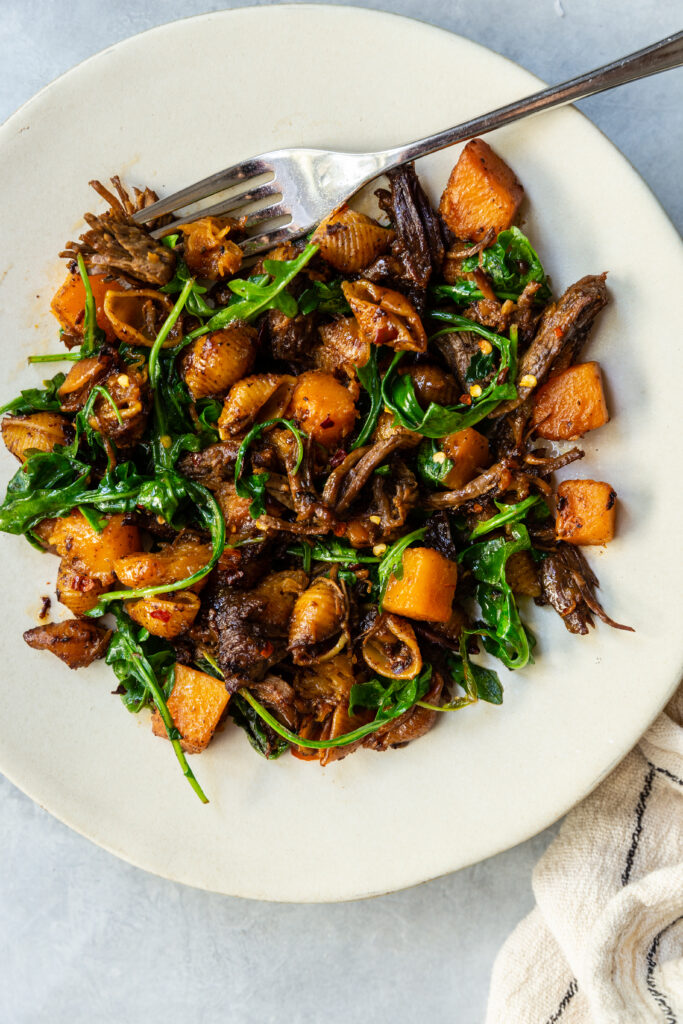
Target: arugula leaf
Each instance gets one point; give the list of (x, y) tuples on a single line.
[(398, 392), (332, 550), (263, 739), (152, 495), (480, 366), (326, 297), (256, 296), (502, 631), (147, 677), (166, 328), (479, 683), (392, 561), (398, 697), (432, 464), (484, 682), (510, 263), (390, 697), (254, 485), (195, 303), (369, 378), (93, 336), (57, 357), (509, 514), (43, 399)]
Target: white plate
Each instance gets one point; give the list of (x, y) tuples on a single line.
[(169, 106)]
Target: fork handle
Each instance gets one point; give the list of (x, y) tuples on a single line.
[(661, 56)]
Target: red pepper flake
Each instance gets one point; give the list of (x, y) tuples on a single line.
[(42, 614), (466, 400), (337, 458), (161, 614), (266, 650), (327, 422), (558, 332)]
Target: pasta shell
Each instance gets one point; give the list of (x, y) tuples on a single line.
[(208, 250), (279, 592), (40, 431), (264, 396), (218, 360), (343, 347), (319, 614), (385, 317), (326, 684), (130, 394), (390, 648), (350, 241), (165, 615), (78, 591), (137, 314), (80, 381)]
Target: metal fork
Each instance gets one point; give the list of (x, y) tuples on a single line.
[(303, 185)]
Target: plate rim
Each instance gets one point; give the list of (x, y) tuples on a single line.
[(26, 108)]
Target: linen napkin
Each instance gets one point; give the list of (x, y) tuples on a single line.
[(604, 944)]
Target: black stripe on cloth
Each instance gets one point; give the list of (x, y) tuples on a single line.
[(665, 771), (635, 837), (564, 1002), (651, 958)]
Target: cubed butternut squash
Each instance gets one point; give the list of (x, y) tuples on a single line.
[(68, 304), (323, 407), (468, 450), (197, 703), (88, 551), (570, 403), (586, 512), (426, 588), (482, 193)]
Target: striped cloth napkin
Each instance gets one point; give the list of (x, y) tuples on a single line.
[(604, 944)]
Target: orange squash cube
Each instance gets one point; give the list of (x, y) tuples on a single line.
[(468, 450), (570, 403), (482, 193), (197, 703), (426, 588), (88, 551), (68, 304), (323, 407), (586, 512)]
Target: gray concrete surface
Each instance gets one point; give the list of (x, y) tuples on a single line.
[(87, 939)]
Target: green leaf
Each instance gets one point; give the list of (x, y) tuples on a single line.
[(392, 561), (253, 485), (263, 739), (327, 297), (93, 336), (510, 264), (509, 514), (332, 550), (398, 391), (389, 697), (468, 675), (254, 297), (399, 696), (43, 399), (166, 329), (502, 631), (369, 378), (432, 464), (147, 675)]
